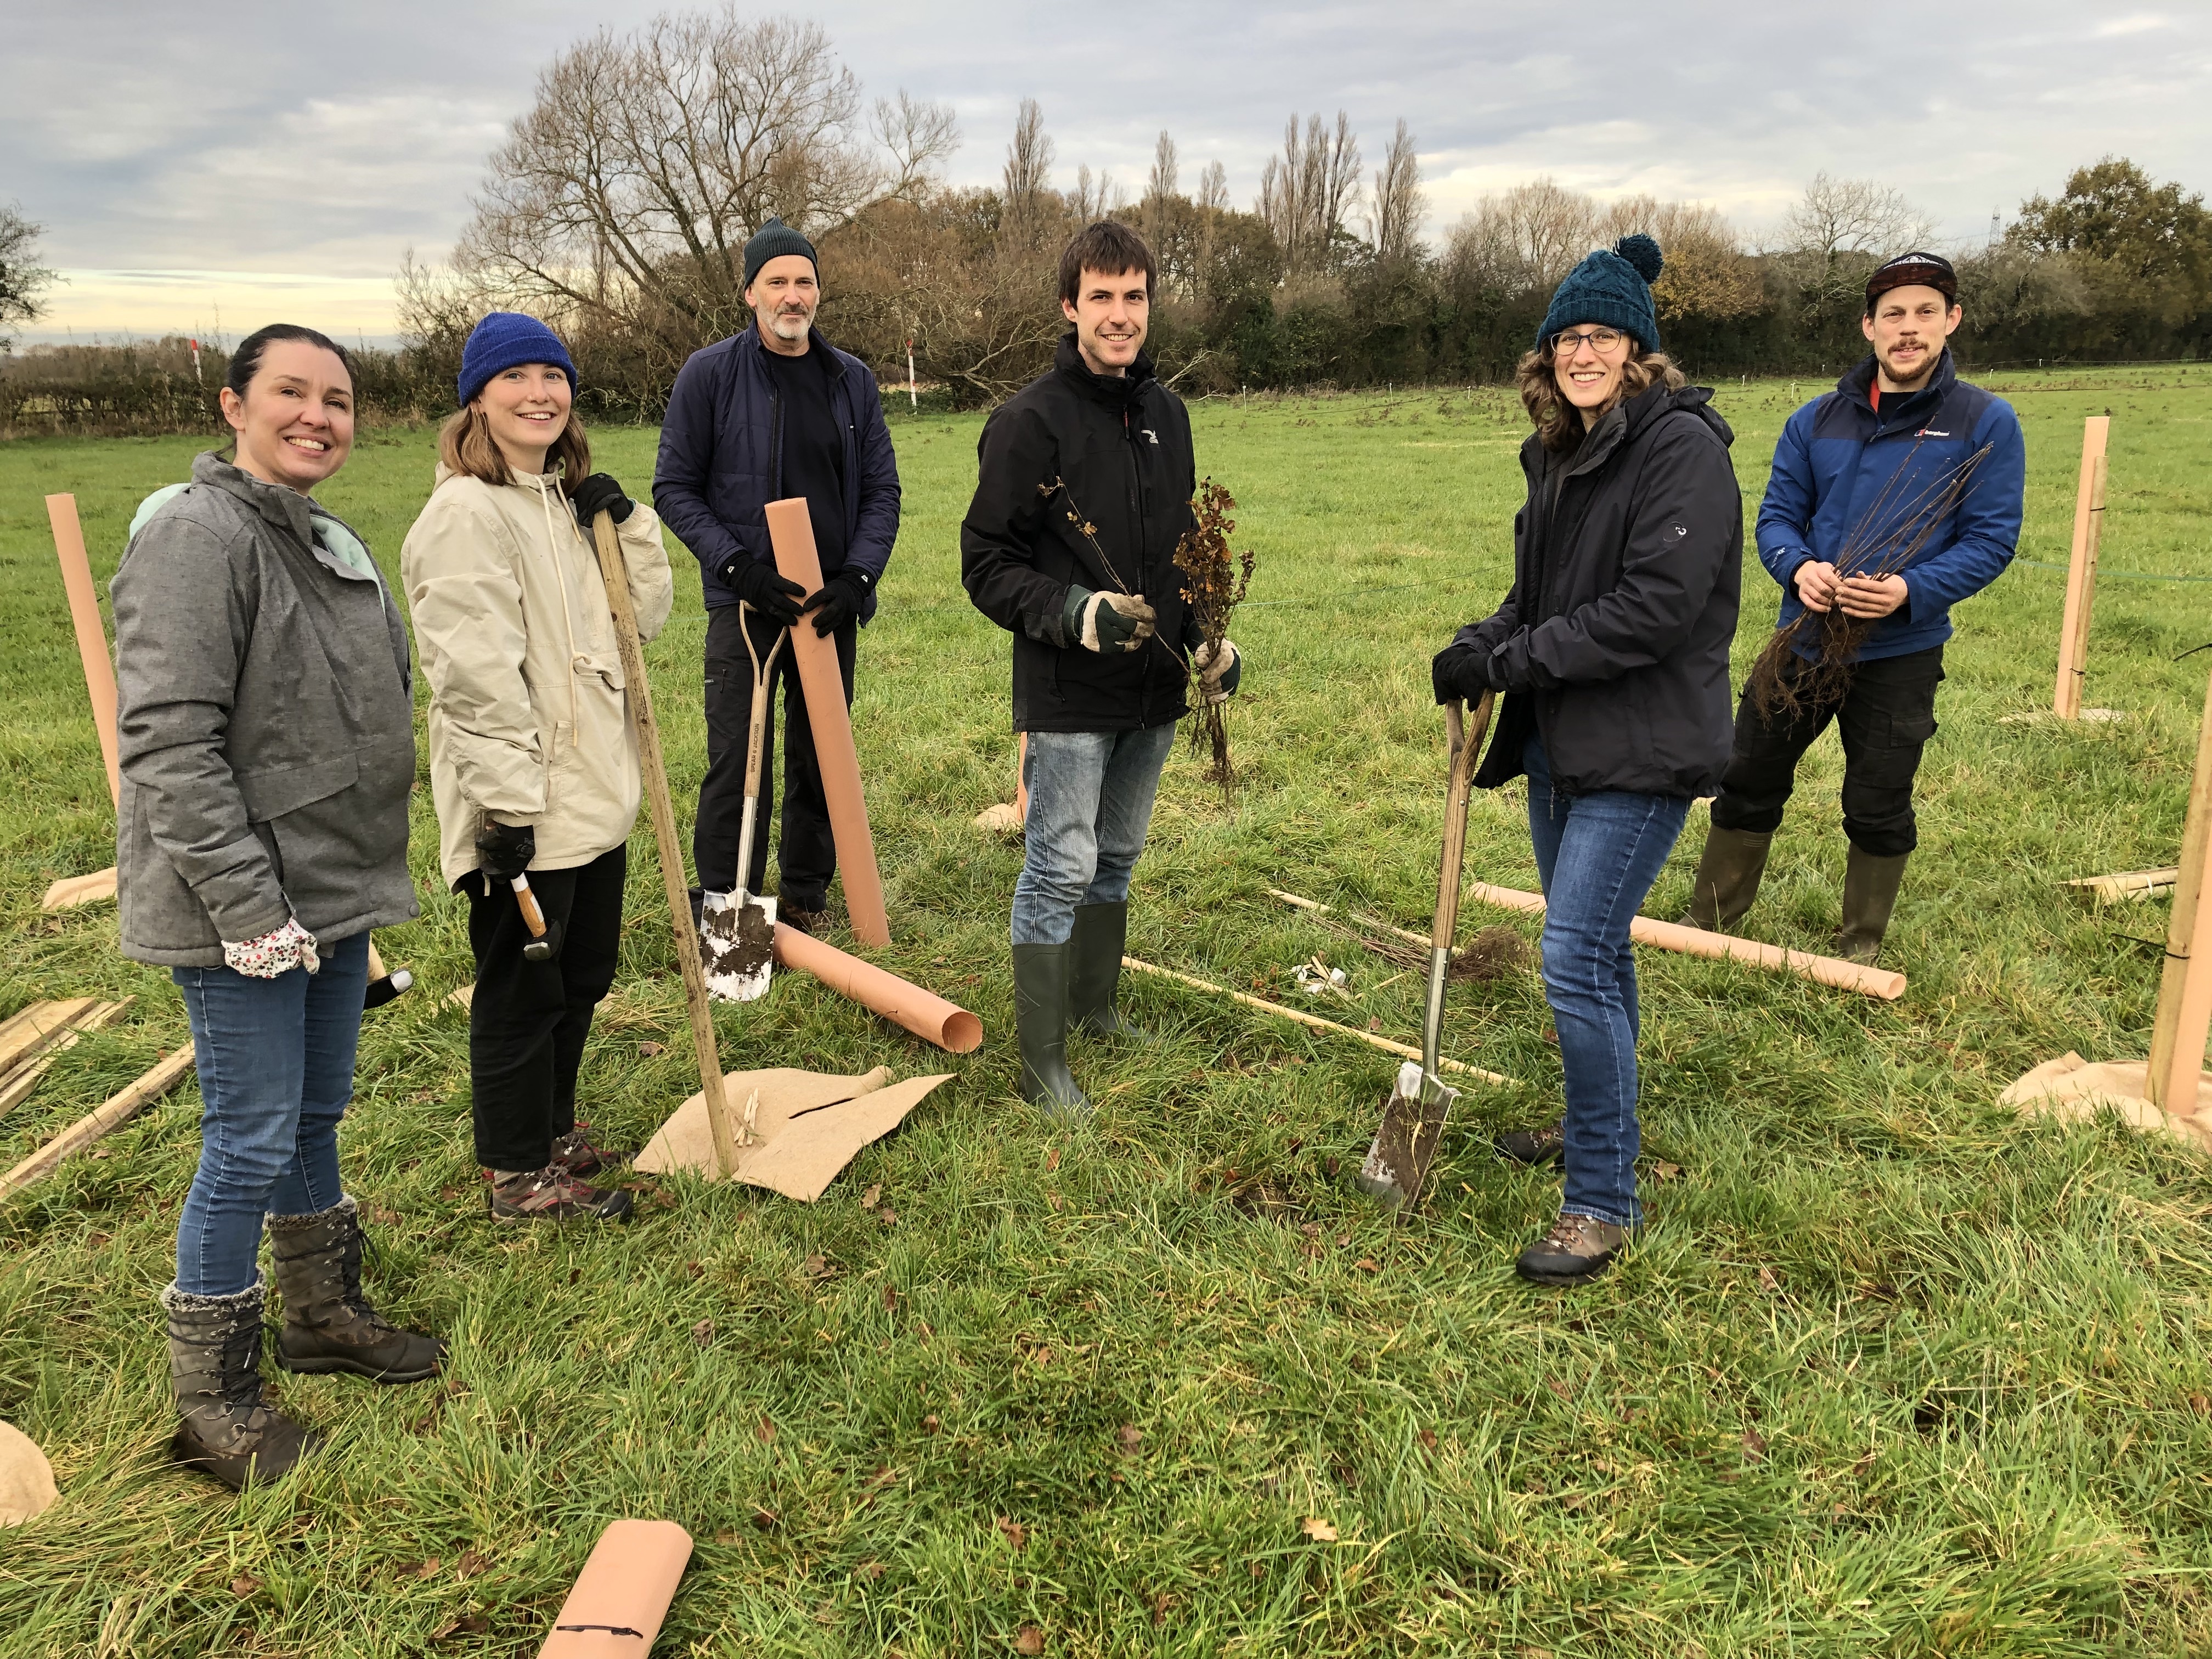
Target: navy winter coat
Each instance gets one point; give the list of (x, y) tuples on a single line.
[(721, 460), (1838, 458)]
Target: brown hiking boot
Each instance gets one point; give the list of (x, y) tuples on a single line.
[(1532, 1146), (1578, 1246), (805, 921), (329, 1325), (551, 1194), (229, 1428), (573, 1154)]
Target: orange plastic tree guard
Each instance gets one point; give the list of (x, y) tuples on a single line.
[(623, 1594), (925, 1014), (819, 678), (91, 633), (2081, 569)]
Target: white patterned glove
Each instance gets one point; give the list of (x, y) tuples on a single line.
[(1218, 672), (276, 952)]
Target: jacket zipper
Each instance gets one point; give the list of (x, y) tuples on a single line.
[(1137, 501)]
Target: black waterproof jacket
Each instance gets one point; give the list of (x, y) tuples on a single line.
[(1068, 449), (1627, 566)]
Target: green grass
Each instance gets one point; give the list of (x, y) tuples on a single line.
[(1892, 1372)]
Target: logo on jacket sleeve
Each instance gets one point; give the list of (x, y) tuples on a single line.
[(1150, 434)]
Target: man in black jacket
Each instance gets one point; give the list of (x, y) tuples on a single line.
[(1084, 489), (774, 412)]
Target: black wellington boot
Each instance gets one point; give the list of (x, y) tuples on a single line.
[(229, 1428), (1727, 878), (1870, 886), (329, 1325), (1094, 972), (1041, 1024)]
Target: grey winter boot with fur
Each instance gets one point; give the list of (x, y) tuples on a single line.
[(229, 1429), (329, 1325)]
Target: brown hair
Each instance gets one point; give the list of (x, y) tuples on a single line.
[(466, 445), (1558, 421), (1105, 247)]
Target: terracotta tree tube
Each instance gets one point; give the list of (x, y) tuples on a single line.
[(824, 685), (622, 1596), (91, 633), (925, 1014)]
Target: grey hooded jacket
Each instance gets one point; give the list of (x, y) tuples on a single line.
[(266, 710)]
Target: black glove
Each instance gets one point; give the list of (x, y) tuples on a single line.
[(837, 601), (1461, 673), (601, 494), (755, 583), (505, 849)]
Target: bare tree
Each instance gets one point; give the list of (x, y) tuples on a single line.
[(1159, 186), (1707, 274), (1091, 203), (23, 278), (1213, 188), (627, 192), (1525, 238), (1306, 192), (1838, 233), (1399, 204), (1028, 172)]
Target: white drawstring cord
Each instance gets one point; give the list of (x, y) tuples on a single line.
[(561, 576)]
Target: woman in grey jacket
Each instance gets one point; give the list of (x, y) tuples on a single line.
[(265, 713)]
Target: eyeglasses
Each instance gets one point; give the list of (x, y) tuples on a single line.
[(1569, 341)]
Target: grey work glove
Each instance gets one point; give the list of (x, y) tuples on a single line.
[(1107, 623), (1218, 672)]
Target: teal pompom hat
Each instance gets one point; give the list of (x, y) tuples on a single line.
[(1611, 288)]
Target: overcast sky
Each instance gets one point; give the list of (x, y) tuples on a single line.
[(201, 167)]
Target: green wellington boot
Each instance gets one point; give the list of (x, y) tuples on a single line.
[(1727, 878), (1094, 972), (1041, 1024), (1870, 887)]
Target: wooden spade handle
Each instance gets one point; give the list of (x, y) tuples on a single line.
[(1466, 747)]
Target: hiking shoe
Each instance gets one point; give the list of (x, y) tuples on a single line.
[(553, 1194), (574, 1155), (805, 921), (1577, 1248), (1533, 1146), (329, 1325)]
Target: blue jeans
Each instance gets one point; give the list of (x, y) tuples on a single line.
[(1597, 855), (274, 1058), (1091, 803)]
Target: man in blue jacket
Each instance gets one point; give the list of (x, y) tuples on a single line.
[(1850, 463), (774, 412)]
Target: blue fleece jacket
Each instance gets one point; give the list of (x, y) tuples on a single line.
[(721, 461), (1840, 460)]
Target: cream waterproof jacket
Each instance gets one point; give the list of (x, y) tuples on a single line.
[(529, 718)]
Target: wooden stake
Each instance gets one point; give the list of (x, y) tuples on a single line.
[(2081, 570), (117, 1110), (92, 647), (616, 574), (1405, 1050), (2185, 987)]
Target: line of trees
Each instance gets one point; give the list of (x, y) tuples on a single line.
[(619, 205)]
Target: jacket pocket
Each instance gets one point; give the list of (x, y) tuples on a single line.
[(273, 791)]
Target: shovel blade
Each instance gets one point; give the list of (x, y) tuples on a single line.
[(737, 945), (1396, 1167)]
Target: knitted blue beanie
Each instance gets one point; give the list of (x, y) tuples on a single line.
[(505, 340), (1612, 289)]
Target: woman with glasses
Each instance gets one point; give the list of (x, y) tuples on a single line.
[(1611, 651)]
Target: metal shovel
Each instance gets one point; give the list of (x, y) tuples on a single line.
[(737, 930), (1397, 1163)]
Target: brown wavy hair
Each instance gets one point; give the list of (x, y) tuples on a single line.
[(1559, 421), (466, 445)]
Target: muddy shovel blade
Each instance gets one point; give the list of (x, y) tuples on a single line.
[(1396, 1167), (737, 945)]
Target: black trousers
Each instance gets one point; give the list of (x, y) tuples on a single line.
[(529, 1019), (806, 856), (1886, 717)]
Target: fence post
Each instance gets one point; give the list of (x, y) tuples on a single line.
[(2185, 987), (2081, 570)]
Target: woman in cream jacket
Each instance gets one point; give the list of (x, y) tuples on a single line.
[(534, 753)]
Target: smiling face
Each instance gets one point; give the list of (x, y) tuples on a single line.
[(295, 424), (1907, 328), (785, 295), (1111, 312), (526, 409), (1587, 362)]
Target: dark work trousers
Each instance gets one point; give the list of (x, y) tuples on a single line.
[(806, 857), (529, 1019), (1886, 716)]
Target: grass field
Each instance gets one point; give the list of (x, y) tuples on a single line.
[(1891, 1373)]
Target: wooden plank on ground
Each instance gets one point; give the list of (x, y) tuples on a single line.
[(2127, 886), (16, 1087), (80, 890), (116, 1110), (37, 1026)]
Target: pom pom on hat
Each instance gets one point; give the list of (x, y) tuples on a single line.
[(1641, 251)]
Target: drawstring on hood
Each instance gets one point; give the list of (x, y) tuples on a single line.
[(576, 658)]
